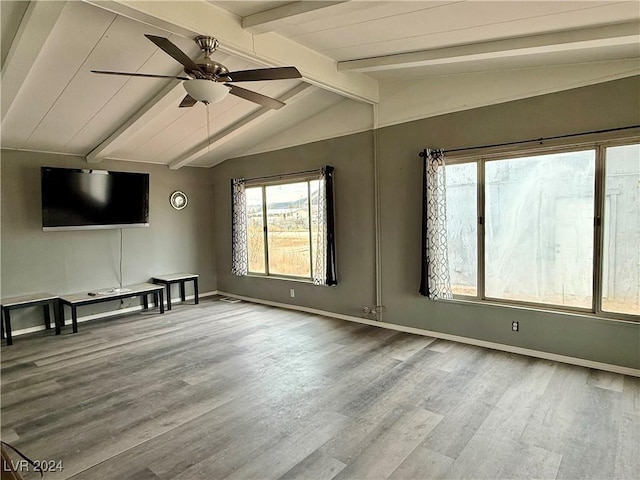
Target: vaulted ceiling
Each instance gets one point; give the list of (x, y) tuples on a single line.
[(51, 101)]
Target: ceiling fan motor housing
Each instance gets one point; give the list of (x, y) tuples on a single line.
[(210, 67), (207, 44)]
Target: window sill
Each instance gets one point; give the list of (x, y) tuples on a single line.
[(281, 277), (609, 317)]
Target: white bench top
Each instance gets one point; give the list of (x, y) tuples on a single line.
[(175, 277), (27, 299), (107, 293)]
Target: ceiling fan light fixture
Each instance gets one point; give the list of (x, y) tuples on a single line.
[(206, 91)]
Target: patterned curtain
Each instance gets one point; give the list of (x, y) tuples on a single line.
[(325, 255), (435, 279), (240, 262)]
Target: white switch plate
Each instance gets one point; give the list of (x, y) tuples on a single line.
[(292, 292)]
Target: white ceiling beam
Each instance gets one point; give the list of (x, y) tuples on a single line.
[(295, 94), (270, 20), (166, 98), (587, 38), (37, 23), (199, 17)]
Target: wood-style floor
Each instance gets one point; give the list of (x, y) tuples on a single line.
[(250, 392)]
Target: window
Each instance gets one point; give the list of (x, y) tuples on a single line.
[(462, 219), (621, 236), (282, 228), (285, 228), (255, 230), (539, 228), (527, 229)]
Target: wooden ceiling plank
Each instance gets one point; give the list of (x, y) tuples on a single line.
[(166, 98), (270, 20), (260, 115), (35, 27), (203, 18), (586, 38)]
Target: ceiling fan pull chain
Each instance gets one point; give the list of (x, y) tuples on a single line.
[(208, 131)]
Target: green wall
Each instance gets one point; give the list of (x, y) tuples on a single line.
[(352, 157), (81, 260), (607, 105)]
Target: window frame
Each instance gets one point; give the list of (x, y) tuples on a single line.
[(263, 184), (480, 158)]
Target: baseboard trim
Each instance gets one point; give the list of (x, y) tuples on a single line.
[(581, 362), (113, 313)]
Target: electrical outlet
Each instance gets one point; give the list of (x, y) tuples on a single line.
[(515, 326), (292, 292)]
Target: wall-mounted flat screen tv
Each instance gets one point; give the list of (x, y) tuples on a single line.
[(90, 199)]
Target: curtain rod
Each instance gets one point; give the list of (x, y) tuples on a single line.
[(283, 175), (541, 139)]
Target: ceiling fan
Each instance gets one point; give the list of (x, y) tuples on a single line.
[(208, 81)]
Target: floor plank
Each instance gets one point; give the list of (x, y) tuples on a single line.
[(423, 463), (382, 453)]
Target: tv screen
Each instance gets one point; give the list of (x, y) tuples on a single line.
[(86, 199)]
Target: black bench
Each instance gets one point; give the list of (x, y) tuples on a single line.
[(89, 298), (32, 300), (180, 278)]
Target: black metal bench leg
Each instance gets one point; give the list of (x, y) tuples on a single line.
[(62, 319), (160, 295), (7, 327), (74, 319), (2, 325), (47, 316), (59, 315), (145, 301), (183, 296), (195, 290), (168, 296)]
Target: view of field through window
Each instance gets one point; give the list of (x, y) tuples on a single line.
[(289, 212), (255, 230)]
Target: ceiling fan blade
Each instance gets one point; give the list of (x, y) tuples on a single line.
[(255, 97), (150, 75), (188, 101), (276, 73), (173, 51)]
